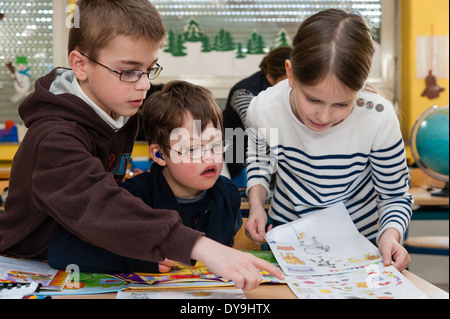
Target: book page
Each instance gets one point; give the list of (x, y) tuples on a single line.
[(322, 242), (375, 281)]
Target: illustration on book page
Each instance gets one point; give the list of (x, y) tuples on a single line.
[(322, 242), (374, 281)]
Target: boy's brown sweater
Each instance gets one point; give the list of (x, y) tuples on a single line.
[(65, 173)]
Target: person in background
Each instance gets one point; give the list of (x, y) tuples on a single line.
[(272, 70)]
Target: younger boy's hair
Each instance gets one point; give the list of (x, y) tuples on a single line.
[(167, 110), (103, 20)]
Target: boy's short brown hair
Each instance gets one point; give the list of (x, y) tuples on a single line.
[(166, 110), (103, 20)]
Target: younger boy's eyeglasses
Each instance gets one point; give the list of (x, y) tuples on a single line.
[(199, 151), (131, 75)]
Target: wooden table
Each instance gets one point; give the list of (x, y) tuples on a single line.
[(422, 197)]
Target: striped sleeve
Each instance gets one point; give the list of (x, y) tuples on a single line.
[(240, 101), (390, 177), (260, 162)]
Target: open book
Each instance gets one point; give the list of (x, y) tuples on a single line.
[(322, 242), (324, 256)]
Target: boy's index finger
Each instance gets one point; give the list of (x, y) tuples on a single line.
[(266, 266)]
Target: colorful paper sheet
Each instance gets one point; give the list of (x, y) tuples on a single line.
[(323, 242)]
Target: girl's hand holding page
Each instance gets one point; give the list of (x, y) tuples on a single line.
[(392, 252), (255, 228)]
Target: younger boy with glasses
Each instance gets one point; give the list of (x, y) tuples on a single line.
[(64, 202), (183, 126)]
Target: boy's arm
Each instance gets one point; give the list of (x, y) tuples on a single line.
[(72, 186)]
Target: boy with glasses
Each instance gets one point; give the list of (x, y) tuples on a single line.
[(64, 203), (183, 126)]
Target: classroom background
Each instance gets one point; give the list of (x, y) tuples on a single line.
[(217, 43)]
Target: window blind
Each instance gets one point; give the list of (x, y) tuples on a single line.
[(267, 17)]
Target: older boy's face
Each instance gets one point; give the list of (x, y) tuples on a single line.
[(188, 177), (115, 97)]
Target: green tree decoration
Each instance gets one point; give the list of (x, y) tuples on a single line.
[(240, 52), (206, 44), (223, 41), (192, 31), (171, 38), (179, 47), (255, 44), (281, 40)]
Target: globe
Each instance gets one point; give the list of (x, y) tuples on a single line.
[(430, 144)]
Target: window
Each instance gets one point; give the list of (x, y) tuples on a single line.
[(248, 28), (243, 28), (26, 46)]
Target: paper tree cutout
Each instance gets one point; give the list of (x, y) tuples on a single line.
[(281, 40), (432, 89), (192, 31), (206, 44), (175, 44), (179, 47), (171, 37), (240, 52), (255, 44), (223, 41)]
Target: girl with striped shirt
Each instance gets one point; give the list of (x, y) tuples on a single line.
[(330, 138)]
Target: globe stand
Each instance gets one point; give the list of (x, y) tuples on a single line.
[(442, 192)]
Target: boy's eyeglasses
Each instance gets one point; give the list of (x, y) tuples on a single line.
[(199, 151), (131, 75)]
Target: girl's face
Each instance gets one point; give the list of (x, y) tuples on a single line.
[(188, 177), (322, 105)]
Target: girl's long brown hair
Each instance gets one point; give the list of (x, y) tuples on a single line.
[(333, 41)]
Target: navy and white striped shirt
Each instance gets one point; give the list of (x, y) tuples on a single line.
[(360, 162)]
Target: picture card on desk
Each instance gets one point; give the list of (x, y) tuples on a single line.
[(28, 271), (323, 242)]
